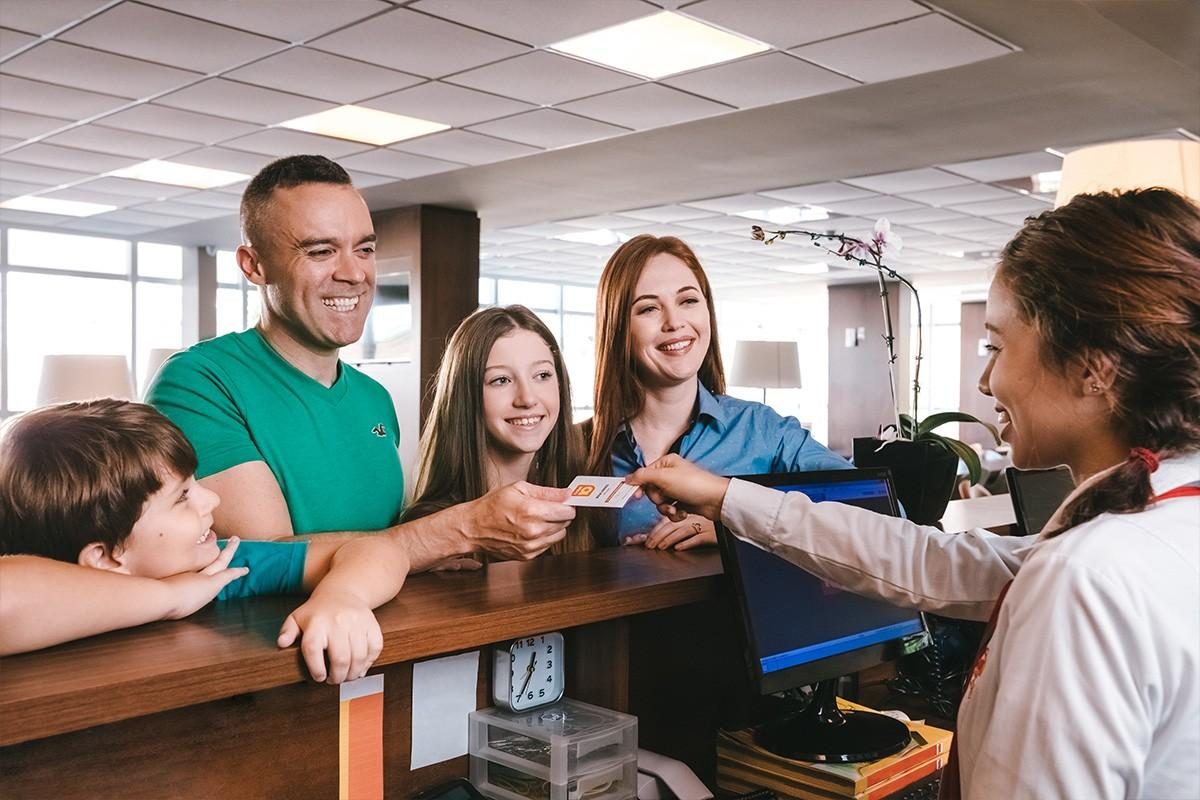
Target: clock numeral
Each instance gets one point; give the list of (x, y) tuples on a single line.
[(530, 642), (531, 695), (549, 648), (549, 679), (549, 663), (541, 692)]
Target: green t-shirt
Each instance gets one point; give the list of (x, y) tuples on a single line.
[(275, 568), (333, 450)]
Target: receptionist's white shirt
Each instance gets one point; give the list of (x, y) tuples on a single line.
[(1092, 681)]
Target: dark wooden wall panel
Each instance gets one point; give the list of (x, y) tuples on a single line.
[(971, 400)]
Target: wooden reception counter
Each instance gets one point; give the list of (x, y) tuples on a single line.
[(209, 707)]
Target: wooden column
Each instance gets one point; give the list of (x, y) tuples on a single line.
[(442, 247), (971, 365)]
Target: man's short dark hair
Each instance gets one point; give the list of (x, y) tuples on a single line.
[(284, 174)]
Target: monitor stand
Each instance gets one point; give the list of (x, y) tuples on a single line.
[(822, 732)]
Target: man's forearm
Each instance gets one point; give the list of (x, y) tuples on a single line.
[(425, 542), (372, 568)]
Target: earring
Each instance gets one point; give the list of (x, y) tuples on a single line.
[(1096, 388)]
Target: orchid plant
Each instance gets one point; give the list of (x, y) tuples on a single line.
[(870, 254)]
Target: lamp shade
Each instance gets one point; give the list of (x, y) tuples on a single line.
[(72, 377), (769, 365), (1169, 163)]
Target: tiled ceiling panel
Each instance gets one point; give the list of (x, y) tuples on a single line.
[(1021, 165), (787, 23), (396, 165), (118, 142), (548, 128), (924, 44), (142, 189), (544, 78), (465, 147), (323, 76), (35, 173), (732, 204), (912, 180), (155, 35), (225, 158), (35, 97), (671, 213), (92, 196), (532, 21), (16, 188), (69, 158), (42, 17), (179, 209), (1013, 205), (647, 105), (970, 193), (253, 103), (178, 124), (761, 80), (416, 43), (93, 225), (19, 125), (817, 194), (448, 104), (84, 68), (11, 41), (291, 20), (283, 142)]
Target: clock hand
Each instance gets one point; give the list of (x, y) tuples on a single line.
[(528, 673)]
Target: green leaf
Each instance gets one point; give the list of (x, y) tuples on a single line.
[(907, 426), (934, 421), (963, 451)]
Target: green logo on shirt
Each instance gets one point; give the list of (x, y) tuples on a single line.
[(379, 430)]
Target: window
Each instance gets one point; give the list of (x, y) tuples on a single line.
[(237, 299), (87, 295), (941, 363)]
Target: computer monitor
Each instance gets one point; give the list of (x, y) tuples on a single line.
[(800, 630), (1036, 495)]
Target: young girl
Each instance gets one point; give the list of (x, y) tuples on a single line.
[(1090, 684), (660, 389), (500, 415)]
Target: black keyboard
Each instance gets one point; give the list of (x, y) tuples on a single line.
[(926, 789)]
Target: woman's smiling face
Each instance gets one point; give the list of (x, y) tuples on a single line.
[(669, 322)]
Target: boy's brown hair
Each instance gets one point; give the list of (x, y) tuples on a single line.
[(76, 473)]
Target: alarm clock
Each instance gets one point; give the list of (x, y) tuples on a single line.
[(528, 672)]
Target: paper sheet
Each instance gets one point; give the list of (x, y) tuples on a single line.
[(443, 696)]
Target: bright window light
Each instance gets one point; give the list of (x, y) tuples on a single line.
[(367, 125), (51, 205), (1047, 182), (659, 45), (176, 174), (786, 215)]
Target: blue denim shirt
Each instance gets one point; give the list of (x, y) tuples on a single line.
[(729, 437)]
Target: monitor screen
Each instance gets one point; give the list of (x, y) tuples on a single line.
[(800, 629), (1037, 494)]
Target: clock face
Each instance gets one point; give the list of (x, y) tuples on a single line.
[(536, 671)]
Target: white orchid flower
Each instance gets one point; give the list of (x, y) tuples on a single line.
[(884, 239)]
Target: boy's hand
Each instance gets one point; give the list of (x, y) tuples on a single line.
[(192, 591), (340, 625)]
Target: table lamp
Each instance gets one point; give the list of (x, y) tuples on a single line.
[(83, 377), (1141, 164), (767, 365)]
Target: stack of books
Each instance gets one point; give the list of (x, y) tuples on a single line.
[(742, 766)]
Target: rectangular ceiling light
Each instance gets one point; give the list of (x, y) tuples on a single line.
[(786, 215), (599, 236), (51, 205), (659, 45), (815, 268), (365, 125), (176, 174)]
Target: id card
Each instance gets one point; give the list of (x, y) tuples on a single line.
[(597, 491)]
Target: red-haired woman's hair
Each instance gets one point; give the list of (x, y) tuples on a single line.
[(1118, 275), (619, 391)]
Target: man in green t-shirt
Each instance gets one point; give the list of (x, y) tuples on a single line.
[(294, 440)]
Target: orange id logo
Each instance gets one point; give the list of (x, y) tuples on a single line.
[(583, 490)]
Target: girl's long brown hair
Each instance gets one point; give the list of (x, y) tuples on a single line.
[(1118, 275), (619, 390), (451, 467)]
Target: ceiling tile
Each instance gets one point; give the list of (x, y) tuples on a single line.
[(285, 142), (416, 43), (323, 76), (35, 97), (90, 196), (125, 143), (224, 158), (252, 103), (544, 229), (1021, 204), (1016, 220), (910, 180), (125, 186), (502, 237), (396, 165), (787, 23), (41, 17), (670, 213), (531, 22), (48, 155), (548, 128), (11, 41), (33, 173), (9, 141), (871, 205), (362, 180), (761, 80), (544, 78), (94, 225), (962, 226), (158, 36), (84, 68), (143, 218), (723, 224), (922, 215), (447, 104), (17, 188), (645, 106), (733, 204), (1021, 165), (179, 209), (920, 45), (817, 194), (465, 147), (13, 216), (975, 192), (216, 200), (602, 222), (292, 20), (178, 124), (20, 125)]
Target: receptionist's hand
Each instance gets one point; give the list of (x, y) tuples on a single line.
[(678, 487), (692, 531), (519, 521)]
